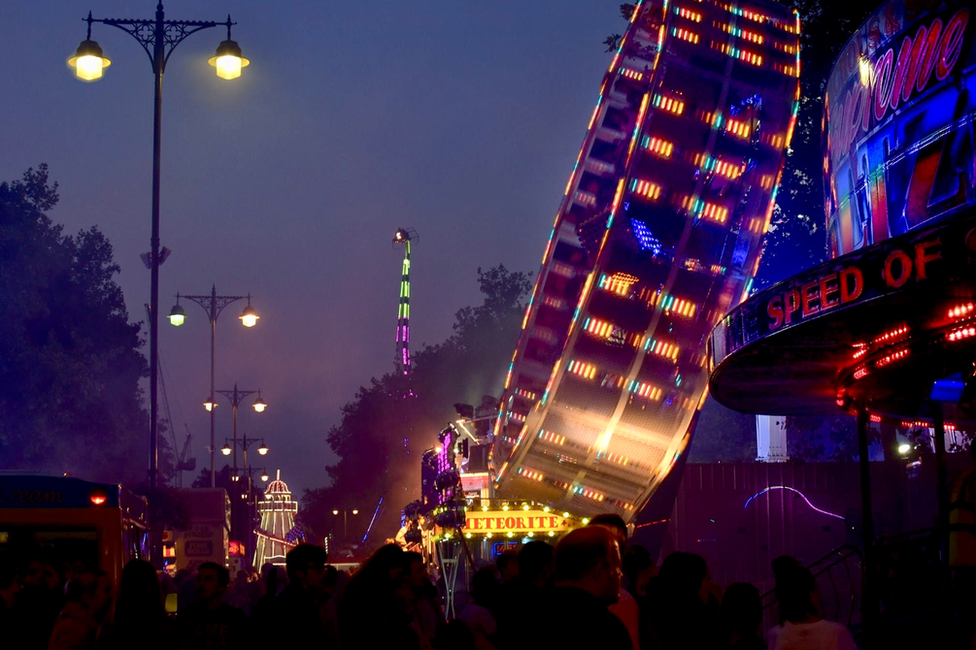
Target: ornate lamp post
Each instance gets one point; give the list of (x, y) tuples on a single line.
[(345, 521), (213, 305), (158, 37), (236, 397)]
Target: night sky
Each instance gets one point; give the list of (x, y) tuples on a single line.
[(459, 119)]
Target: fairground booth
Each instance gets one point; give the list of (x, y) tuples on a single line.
[(885, 330)]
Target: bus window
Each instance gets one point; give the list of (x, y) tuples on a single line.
[(67, 547)]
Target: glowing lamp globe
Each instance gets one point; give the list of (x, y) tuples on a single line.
[(259, 406), (265, 477), (335, 512), (210, 404), (228, 61), (249, 317), (263, 449), (904, 448), (176, 316), (225, 450), (88, 61), (355, 512)]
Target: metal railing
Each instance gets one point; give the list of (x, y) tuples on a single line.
[(839, 576)]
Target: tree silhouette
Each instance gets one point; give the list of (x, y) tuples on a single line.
[(387, 426), (70, 366)]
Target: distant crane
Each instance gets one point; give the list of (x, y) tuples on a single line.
[(404, 237)]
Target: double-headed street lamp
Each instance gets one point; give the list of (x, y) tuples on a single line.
[(158, 37), (236, 397), (242, 514), (213, 305), (345, 521), (230, 446)]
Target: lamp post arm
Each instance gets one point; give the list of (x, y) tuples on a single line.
[(236, 396), (212, 304), (173, 32)]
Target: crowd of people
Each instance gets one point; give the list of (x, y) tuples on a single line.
[(590, 590)]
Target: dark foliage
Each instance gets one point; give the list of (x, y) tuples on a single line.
[(797, 235), (70, 366), (385, 429)]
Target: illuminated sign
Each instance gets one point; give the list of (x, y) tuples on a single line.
[(933, 256), (898, 123), (521, 521)]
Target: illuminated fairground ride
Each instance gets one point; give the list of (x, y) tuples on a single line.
[(404, 237), (657, 237), (277, 524)]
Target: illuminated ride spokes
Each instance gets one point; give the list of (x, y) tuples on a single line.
[(657, 237)]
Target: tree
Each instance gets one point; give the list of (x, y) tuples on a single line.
[(221, 479), (797, 237), (69, 372), (389, 423), (723, 436)]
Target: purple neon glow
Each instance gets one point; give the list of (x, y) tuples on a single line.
[(802, 496), (373, 520), (445, 461)]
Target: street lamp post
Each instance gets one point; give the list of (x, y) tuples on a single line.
[(345, 521), (158, 37), (243, 528), (236, 396), (213, 305)]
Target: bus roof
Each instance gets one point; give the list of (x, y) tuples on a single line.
[(32, 491)]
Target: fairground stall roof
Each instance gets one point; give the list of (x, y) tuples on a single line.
[(893, 311), (879, 326)]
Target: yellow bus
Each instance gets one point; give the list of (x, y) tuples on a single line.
[(73, 522)]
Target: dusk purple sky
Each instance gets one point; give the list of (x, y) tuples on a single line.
[(459, 119)]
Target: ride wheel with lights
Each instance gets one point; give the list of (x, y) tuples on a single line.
[(657, 237)]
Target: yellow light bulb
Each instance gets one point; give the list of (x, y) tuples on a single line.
[(228, 67), (89, 67)]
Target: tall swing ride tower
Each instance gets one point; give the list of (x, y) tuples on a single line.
[(404, 237)]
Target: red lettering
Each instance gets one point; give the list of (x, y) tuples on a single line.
[(775, 311), (521, 524), (922, 257), (848, 294), (914, 60), (510, 523), (904, 266), (552, 521), (808, 297), (499, 523), (791, 300), (930, 55), (951, 45), (882, 84), (854, 108), (825, 290), (901, 71)]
